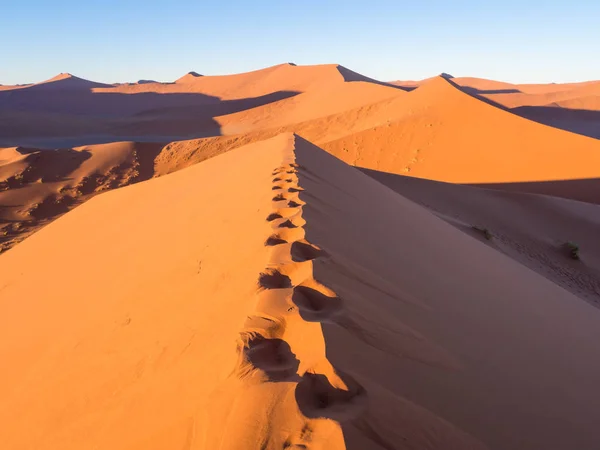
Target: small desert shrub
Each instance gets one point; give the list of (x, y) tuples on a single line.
[(573, 250), (484, 231)]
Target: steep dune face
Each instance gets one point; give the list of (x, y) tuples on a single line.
[(327, 312), (573, 107), (440, 133), (469, 338), (532, 229), (514, 95)]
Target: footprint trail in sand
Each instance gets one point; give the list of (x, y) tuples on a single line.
[(282, 365)]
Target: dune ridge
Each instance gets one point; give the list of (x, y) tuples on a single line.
[(282, 374)]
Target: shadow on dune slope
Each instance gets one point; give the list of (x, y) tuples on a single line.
[(581, 121), (452, 353), (578, 121), (350, 76), (71, 118), (475, 91), (584, 190), (531, 229)]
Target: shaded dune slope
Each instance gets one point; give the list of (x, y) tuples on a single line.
[(70, 111), (532, 229), (469, 338), (283, 299)]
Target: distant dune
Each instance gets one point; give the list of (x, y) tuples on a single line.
[(188, 77), (299, 257), (435, 132), (67, 81)]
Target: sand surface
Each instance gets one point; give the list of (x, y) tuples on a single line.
[(274, 296), (299, 257)]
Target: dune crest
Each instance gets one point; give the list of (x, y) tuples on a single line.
[(282, 374)]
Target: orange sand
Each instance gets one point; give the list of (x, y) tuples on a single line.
[(251, 291)]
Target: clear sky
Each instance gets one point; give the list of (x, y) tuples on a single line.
[(110, 41)]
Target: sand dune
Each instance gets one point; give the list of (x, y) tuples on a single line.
[(311, 105), (69, 111), (188, 77), (67, 81), (572, 107), (299, 321), (410, 133), (440, 133), (366, 124), (282, 77), (585, 95), (205, 274)]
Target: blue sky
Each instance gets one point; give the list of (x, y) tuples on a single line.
[(110, 41)]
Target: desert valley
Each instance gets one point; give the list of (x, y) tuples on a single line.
[(299, 257)]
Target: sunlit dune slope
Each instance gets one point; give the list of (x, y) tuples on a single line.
[(438, 132), (312, 105)]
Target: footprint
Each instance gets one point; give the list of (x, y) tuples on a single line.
[(287, 275), (271, 217), (295, 189), (279, 197), (287, 224), (285, 235), (273, 357), (318, 398), (305, 251), (274, 279), (293, 204), (290, 219), (274, 240), (316, 306)]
